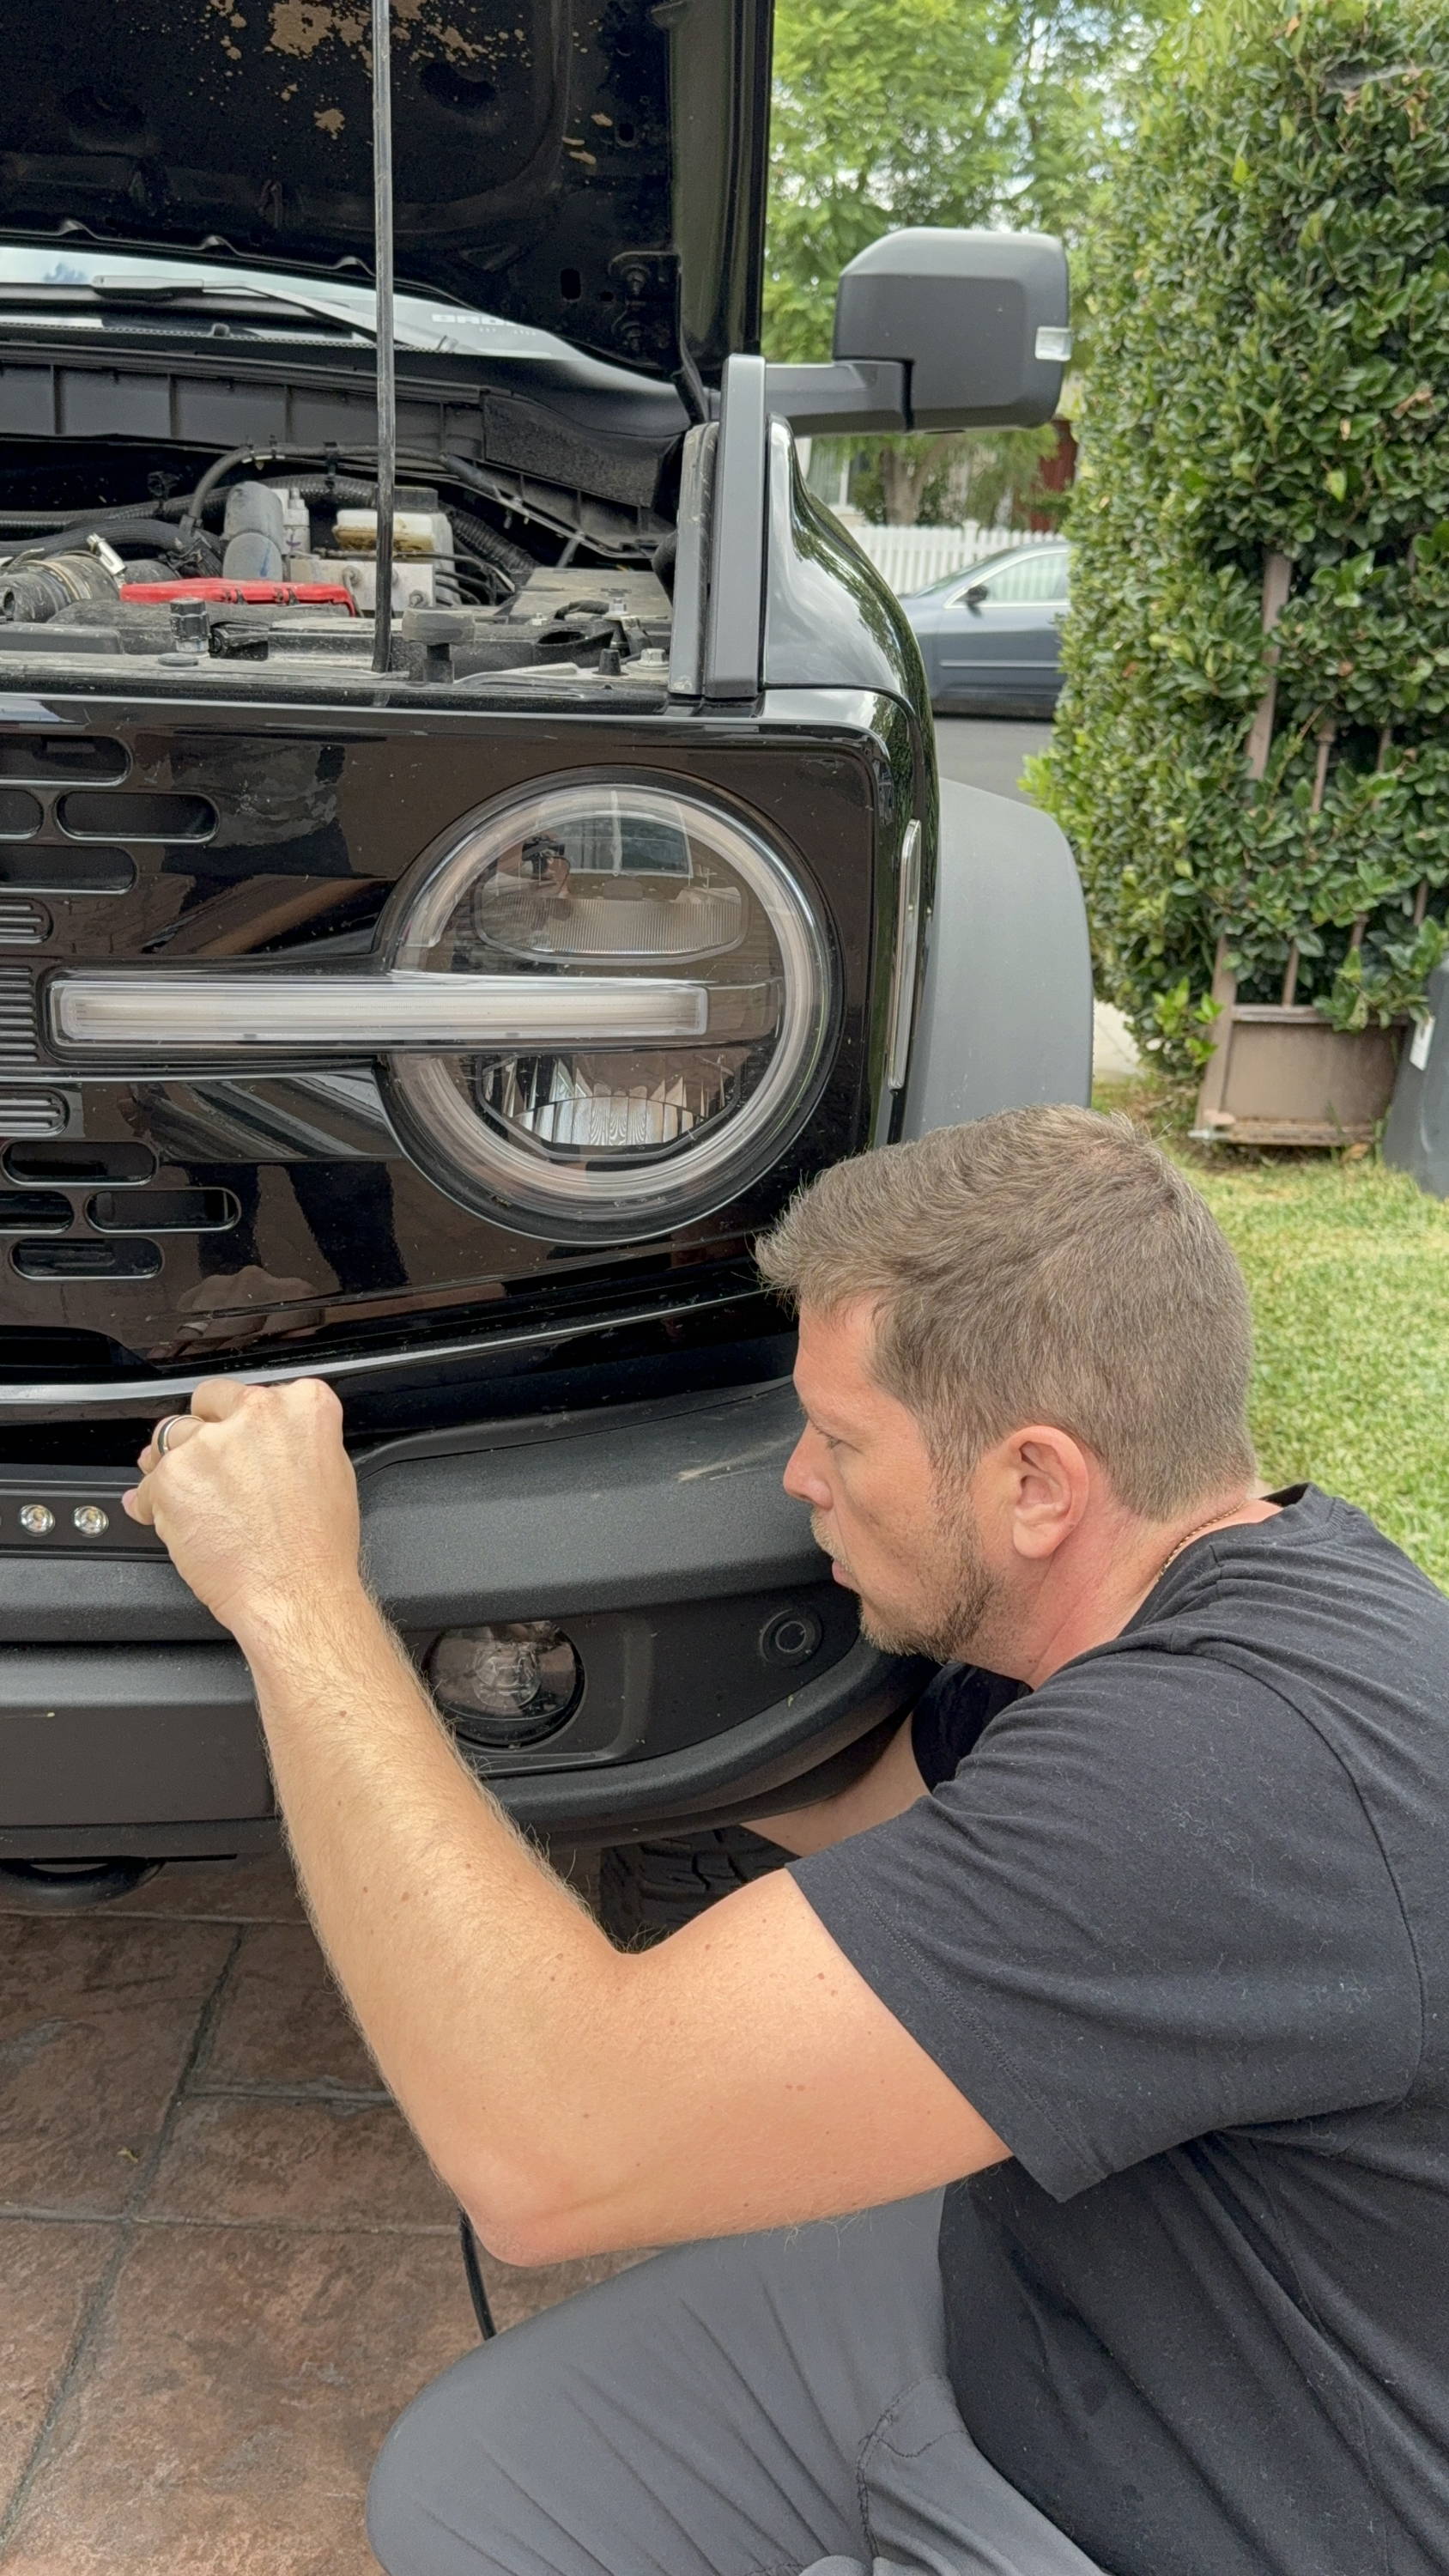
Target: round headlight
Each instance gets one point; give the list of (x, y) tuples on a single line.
[(663, 996)]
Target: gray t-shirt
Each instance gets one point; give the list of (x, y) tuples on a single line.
[(1178, 1927)]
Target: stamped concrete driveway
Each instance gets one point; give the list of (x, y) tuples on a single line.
[(224, 2266)]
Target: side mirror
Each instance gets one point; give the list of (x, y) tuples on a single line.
[(975, 595), (938, 329)]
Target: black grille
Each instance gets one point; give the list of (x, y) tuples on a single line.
[(20, 815), (76, 1257), (42, 870), (32, 1113), (33, 1211), (70, 758), (162, 1211), (17, 1019), (133, 815), (74, 1165), (22, 924)]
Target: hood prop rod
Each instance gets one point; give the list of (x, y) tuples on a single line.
[(386, 346)]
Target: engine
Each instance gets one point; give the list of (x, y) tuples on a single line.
[(283, 572)]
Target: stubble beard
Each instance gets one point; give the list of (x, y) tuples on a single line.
[(947, 1624)]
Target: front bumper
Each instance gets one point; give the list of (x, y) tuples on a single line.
[(658, 1534)]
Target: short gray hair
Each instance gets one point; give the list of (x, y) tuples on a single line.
[(1045, 1265)]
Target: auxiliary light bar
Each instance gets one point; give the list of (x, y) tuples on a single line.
[(170, 1014)]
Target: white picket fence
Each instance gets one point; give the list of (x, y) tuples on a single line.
[(910, 557)]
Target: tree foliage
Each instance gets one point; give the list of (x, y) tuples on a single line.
[(991, 476), (898, 112), (886, 112), (1271, 293)]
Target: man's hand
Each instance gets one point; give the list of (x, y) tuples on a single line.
[(256, 1500)]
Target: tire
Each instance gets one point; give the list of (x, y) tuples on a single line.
[(64, 1886), (647, 1890)]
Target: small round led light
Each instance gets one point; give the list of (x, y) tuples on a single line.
[(90, 1520), (37, 1519), (509, 1683)]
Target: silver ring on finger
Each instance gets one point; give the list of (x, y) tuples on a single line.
[(163, 1432)]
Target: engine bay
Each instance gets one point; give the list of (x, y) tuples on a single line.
[(260, 576)]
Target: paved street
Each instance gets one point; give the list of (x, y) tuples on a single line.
[(987, 751)]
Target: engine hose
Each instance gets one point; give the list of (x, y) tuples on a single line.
[(479, 539), (152, 533), (44, 583), (190, 509)]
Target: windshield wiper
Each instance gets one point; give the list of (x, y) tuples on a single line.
[(175, 291)]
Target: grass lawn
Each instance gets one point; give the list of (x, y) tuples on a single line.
[(1348, 1265)]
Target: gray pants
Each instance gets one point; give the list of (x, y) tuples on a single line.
[(756, 2406)]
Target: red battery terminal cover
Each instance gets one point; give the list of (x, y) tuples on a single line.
[(260, 594)]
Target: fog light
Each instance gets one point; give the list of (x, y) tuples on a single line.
[(508, 1683)]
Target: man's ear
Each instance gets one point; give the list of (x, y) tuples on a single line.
[(1045, 1484)]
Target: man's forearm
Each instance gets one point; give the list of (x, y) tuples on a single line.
[(485, 1990), (890, 1786)]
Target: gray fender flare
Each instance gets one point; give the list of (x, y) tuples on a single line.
[(1005, 1016)]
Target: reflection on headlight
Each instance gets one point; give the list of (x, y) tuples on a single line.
[(604, 1102), (617, 918)]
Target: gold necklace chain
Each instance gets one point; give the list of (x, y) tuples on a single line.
[(1202, 1528)]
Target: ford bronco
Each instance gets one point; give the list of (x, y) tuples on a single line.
[(470, 845)]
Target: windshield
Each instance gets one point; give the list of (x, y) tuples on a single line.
[(978, 563), (422, 322)]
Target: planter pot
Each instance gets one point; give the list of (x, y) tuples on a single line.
[(1281, 1076)]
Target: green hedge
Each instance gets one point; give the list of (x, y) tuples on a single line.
[(1271, 327)]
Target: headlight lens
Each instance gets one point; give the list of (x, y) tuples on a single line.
[(635, 884)]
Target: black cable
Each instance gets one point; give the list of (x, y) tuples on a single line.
[(473, 2274), (190, 507), (139, 532)]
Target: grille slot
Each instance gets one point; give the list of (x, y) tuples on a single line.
[(84, 816), (48, 871), (125, 1257), (22, 924), (46, 756), (33, 1212), (20, 815), (121, 1165), (162, 1211), (17, 1018), (32, 1113)]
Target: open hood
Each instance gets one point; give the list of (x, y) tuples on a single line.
[(595, 167)]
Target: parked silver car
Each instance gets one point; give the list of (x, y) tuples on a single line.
[(990, 633)]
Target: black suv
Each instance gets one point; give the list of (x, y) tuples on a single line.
[(469, 848)]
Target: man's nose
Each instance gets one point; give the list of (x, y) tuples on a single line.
[(803, 1478)]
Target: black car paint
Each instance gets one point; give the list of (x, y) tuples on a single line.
[(596, 171)]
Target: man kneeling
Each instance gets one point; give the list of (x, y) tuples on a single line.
[(1099, 2030)]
